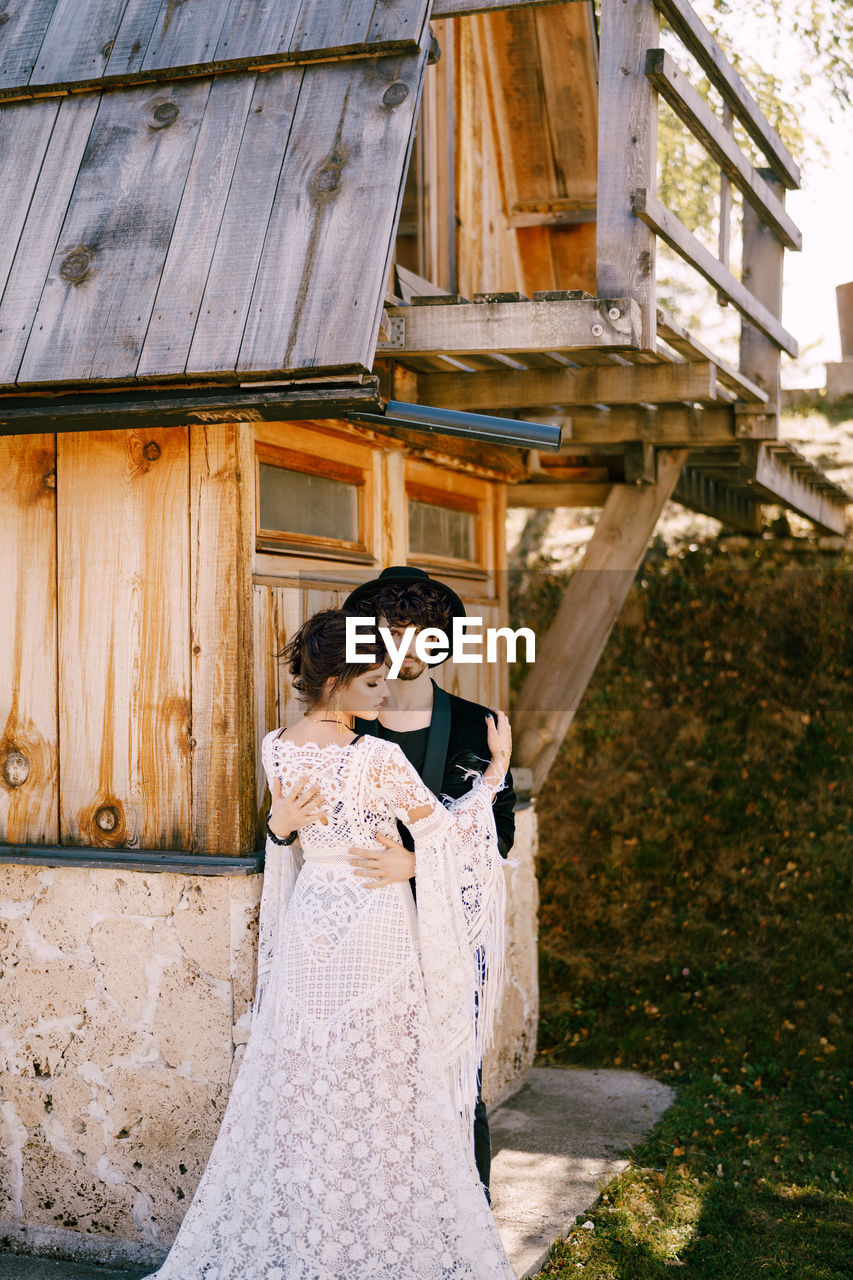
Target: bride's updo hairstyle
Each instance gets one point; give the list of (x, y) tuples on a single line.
[(318, 651)]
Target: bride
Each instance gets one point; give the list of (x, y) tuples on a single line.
[(345, 1152)]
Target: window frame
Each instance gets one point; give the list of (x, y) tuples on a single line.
[(352, 468), (417, 491)]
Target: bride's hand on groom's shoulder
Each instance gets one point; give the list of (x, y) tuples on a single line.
[(392, 864), (302, 804), (499, 734)]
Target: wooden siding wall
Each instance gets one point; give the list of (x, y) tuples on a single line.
[(128, 679), (138, 651)]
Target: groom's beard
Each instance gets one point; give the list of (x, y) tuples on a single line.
[(411, 670)]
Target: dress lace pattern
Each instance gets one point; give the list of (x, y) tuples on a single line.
[(342, 1155)]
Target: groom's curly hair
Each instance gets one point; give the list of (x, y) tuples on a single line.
[(317, 651), (416, 604)]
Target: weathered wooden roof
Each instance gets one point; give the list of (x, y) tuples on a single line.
[(200, 224)]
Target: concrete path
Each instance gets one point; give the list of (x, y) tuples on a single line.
[(554, 1145)]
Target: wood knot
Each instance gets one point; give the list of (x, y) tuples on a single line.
[(4, 18), (151, 451), (106, 818), (165, 113), (16, 768), (75, 265), (327, 175), (106, 49), (395, 94), (49, 480)]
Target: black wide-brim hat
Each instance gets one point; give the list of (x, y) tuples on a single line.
[(400, 575)]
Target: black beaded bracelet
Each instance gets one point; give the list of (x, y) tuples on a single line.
[(278, 839)]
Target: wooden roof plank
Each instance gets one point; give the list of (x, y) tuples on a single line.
[(257, 24), (45, 214), (21, 37), (193, 241), (133, 38), (397, 20), (325, 252), (24, 139), (185, 34), (86, 43), (218, 330), (331, 24), (78, 41), (101, 284)]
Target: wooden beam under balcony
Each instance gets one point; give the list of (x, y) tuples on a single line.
[(548, 497), (665, 224), (694, 383), (690, 106), (696, 37), (457, 328)]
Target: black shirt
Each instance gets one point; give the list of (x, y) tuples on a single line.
[(412, 742)]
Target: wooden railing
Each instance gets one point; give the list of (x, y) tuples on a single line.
[(634, 72)]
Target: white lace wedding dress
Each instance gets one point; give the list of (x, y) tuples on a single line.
[(342, 1155)]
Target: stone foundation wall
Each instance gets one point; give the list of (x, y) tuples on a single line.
[(125, 1001)]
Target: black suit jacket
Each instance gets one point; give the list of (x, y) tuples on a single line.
[(457, 745)]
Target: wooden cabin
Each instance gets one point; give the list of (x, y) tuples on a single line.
[(250, 247)]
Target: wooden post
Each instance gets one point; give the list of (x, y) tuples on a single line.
[(763, 257), (627, 155), (567, 657), (221, 538), (29, 773)]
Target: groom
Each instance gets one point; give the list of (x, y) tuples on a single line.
[(441, 735)]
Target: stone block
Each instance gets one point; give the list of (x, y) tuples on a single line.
[(244, 957), (60, 1191), (41, 1051), (202, 922), (245, 890), (19, 884), (104, 1036), (193, 1023), (11, 942), (71, 1101), (164, 1126), (122, 948), (30, 1098), (137, 893), (50, 989), (62, 914)]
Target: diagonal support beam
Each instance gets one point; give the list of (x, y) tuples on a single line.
[(567, 657)]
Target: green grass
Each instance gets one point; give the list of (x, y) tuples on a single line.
[(695, 873)]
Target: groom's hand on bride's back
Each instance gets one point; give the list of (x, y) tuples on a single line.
[(302, 804), (391, 864)]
